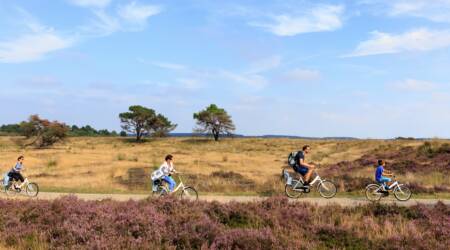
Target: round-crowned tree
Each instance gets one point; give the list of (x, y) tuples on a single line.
[(215, 121)]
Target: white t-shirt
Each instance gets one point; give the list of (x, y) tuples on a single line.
[(164, 170)]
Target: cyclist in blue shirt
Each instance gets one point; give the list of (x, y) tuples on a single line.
[(381, 175)]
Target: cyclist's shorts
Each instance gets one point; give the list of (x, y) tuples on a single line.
[(384, 179), (301, 169)]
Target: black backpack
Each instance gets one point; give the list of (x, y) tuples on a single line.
[(292, 158)]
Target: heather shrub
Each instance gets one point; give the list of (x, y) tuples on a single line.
[(168, 223)]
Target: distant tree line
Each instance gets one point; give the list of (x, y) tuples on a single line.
[(74, 130), (90, 131), (139, 121)]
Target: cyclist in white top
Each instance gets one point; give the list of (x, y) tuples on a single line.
[(167, 169)]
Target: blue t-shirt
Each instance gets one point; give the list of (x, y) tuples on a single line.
[(17, 168), (379, 173)]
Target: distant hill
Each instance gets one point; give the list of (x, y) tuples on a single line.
[(264, 136)]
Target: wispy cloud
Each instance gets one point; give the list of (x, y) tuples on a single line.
[(317, 19), (91, 3), (138, 13), (414, 85), (102, 25), (252, 80), (38, 41), (301, 75), (252, 77), (435, 10), (43, 81), (189, 83), (164, 65), (264, 64), (416, 40), (127, 18)]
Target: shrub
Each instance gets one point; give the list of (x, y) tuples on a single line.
[(52, 163), (121, 157), (43, 132), (168, 223)]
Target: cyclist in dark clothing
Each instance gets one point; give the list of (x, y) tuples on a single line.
[(301, 166), (15, 172)]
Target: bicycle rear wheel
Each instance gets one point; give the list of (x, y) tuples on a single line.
[(402, 193), (373, 192), (9, 190), (327, 189), (189, 193), (32, 189), (291, 192)]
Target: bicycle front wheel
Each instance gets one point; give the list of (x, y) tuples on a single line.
[(291, 192), (32, 189), (373, 192), (402, 193), (189, 193), (327, 189)]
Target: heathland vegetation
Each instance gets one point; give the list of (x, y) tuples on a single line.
[(230, 166), (168, 223)]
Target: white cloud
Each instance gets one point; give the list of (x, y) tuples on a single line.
[(103, 24), (91, 3), (33, 45), (138, 13), (129, 18), (301, 75), (415, 40), (252, 80), (166, 65), (320, 18), (189, 84), (435, 10), (414, 85), (265, 64)]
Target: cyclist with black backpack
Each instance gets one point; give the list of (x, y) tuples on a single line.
[(301, 167)]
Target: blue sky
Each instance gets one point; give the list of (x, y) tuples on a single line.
[(368, 68)]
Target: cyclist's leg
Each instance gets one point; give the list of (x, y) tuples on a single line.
[(386, 182), (13, 177), (309, 173), (171, 182), (22, 180)]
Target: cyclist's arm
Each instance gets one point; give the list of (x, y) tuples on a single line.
[(303, 163), (387, 173)]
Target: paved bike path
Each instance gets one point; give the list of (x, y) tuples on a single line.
[(348, 202)]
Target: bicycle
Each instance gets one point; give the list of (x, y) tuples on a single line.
[(30, 189), (187, 192), (375, 191), (294, 188)]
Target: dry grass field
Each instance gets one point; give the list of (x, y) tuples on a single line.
[(230, 166)]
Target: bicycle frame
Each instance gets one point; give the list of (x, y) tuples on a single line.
[(179, 186), (24, 183), (392, 186), (300, 181)]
